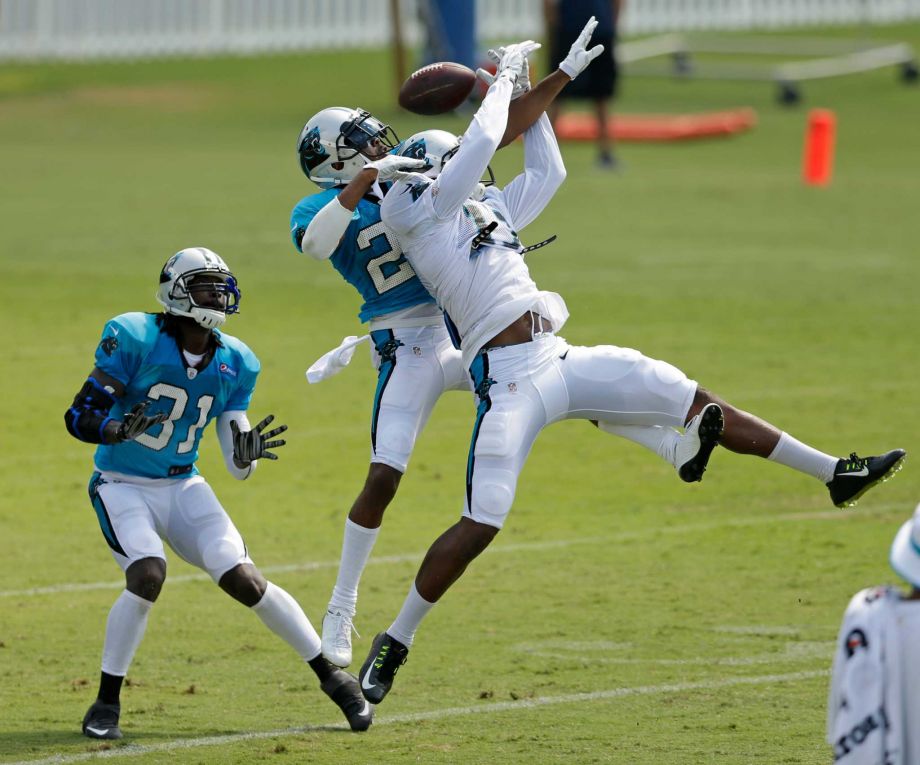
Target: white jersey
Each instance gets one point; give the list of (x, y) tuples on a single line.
[(483, 290), (874, 703)]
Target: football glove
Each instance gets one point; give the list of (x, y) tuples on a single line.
[(513, 60), (251, 445), (393, 166), (136, 422), (579, 56), (521, 85)]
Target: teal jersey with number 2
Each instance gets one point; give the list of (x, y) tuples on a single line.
[(368, 257), (150, 365)]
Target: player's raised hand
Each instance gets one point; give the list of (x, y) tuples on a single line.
[(522, 84), (579, 56), (393, 166), (136, 422), (251, 445), (513, 59)]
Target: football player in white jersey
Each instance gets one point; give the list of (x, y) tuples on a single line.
[(463, 243), (158, 381), (345, 152), (873, 708)]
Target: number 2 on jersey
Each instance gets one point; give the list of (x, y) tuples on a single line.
[(393, 255)]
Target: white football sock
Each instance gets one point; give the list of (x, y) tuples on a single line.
[(284, 616), (124, 630), (356, 549), (414, 609), (658, 438), (801, 457)]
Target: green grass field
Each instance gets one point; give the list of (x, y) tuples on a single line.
[(621, 616)]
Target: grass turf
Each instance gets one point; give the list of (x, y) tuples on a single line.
[(611, 577)]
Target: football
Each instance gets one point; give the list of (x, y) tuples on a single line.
[(437, 88)]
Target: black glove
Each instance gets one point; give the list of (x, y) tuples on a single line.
[(136, 422), (251, 445)]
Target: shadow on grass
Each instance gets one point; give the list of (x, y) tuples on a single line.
[(61, 744)]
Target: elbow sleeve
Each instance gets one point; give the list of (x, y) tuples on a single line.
[(325, 231), (89, 413)]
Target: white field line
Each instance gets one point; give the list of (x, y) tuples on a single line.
[(131, 750), (626, 536)]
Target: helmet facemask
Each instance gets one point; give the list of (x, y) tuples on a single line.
[(200, 287)]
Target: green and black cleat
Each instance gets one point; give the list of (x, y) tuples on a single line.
[(387, 655), (854, 476)]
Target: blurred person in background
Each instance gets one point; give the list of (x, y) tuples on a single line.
[(158, 381), (873, 714), (564, 21)]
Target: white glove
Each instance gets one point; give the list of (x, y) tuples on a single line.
[(521, 85), (392, 165), (513, 59), (336, 360), (579, 56)]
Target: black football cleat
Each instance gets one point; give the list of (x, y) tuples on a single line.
[(101, 721), (343, 688), (854, 476), (699, 439), (386, 656)]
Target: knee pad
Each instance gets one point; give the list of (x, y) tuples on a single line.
[(395, 441), (219, 555), (492, 496)]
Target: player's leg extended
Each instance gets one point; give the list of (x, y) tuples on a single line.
[(409, 383), (847, 479), (129, 529), (643, 400), (509, 416), (200, 531)]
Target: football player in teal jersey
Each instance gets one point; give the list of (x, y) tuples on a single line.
[(158, 381)]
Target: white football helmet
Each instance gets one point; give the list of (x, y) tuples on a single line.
[(330, 145), (176, 278), (436, 147)]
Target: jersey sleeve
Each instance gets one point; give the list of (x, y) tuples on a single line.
[(242, 394), (305, 211), (458, 179), (120, 352), (527, 195)]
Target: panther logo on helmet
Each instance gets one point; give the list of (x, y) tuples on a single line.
[(336, 143)]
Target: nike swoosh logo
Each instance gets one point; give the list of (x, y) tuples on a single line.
[(364, 684), (115, 330), (367, 709), (97, 731), (864, 471)]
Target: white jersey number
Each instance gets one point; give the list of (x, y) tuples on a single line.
[(401, 275), (180, 400)]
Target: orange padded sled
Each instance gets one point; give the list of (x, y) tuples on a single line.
[(580, 126)]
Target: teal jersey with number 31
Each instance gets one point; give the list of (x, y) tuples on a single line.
[(368, 257), (150, 365)]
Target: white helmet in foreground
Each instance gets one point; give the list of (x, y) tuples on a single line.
[(198, 269), (436, 147)]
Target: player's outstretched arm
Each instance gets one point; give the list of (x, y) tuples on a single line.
[(88, 418), (526, 109)]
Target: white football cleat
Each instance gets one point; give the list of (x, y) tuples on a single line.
[(696, 444), (337, 629)]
